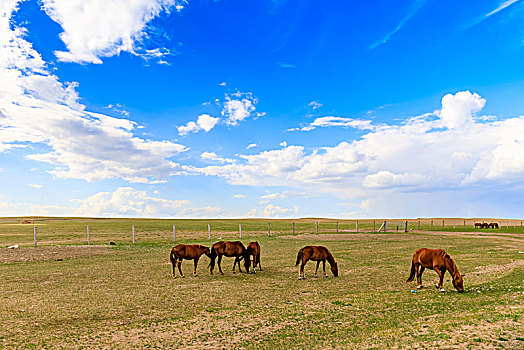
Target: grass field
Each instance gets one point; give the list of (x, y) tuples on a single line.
[(123, 296)]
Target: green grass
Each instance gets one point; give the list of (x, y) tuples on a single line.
[(128, 299)]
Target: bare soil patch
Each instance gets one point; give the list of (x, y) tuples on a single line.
[(27, 254)]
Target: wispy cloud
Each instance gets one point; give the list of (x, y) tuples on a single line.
[(504, 5), (412, 11)]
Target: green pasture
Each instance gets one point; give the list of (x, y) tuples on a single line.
[(123, 296)]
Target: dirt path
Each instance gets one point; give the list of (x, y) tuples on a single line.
[(27, 254)]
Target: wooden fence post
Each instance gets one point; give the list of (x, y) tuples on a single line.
[(240, 229), (406, 226), (442, 224), (337, 226), (385, 226), (356, 225), (431, 225), (133, 234), (209, 231), (293, 228), (35, 234), (269, 229), (88, 236), (316, 227), (419, 225), (373, 225)]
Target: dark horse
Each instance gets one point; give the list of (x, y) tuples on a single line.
[(318, 254), (253, 248), (230, 249), (188, 252), (438, 260)]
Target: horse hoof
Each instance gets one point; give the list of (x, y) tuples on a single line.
[(195, 275), (326, 276), (419, 287), (182, 276), (174, 276), (316, 276), (443, 290)]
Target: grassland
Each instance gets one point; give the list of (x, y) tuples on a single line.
[(123, 296)]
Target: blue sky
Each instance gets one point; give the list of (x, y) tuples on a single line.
[(240, 108)]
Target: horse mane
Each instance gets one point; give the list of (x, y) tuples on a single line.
[(330, 257), (450, 263)]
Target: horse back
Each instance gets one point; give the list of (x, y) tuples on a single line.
[(430, 258)]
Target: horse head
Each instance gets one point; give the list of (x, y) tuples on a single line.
[(207, 251), (334, 268), (458, 283)]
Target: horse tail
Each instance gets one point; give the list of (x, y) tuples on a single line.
[(172, 256), (299, 257), (413, 272)]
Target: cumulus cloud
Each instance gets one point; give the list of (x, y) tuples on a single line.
[(457, 110), (204, 122), (36, 108), (447, 150), (129, 202), (238, 106), (97, 28), (239, 196), (252, 145), (272, 211), (35, 186)]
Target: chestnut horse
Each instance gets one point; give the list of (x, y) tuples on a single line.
[(438, 260), (253, 248), (188, 252), (318, 254), (230, 249)]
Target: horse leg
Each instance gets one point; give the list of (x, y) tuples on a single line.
[(180, 269), (258, 261), (218, 263), (442, 273), (318, 263), (174, 268), (441, 278), (420, 270), (301, 274), (196, 263), (235, 264), (324, 262)]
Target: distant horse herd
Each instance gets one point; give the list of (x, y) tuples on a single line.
[(486, 225), (433, 259)]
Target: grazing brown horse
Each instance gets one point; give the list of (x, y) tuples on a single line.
[(253, 248), (318, 254), (188, 252), (230, 249), (493, 225), (438, 260)]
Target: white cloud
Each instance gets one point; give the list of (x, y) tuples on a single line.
[(213, 156), (35, 186), (283, 195), (129, 202), (36, 108), (331, 121), (252, 145), (238, 107), (239, 196), (315, 105), (204, 122), (96, 28), (283, 144), (448, 150), (272, 211), (457, 110)]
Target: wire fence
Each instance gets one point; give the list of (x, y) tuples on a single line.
[(69, 231)]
